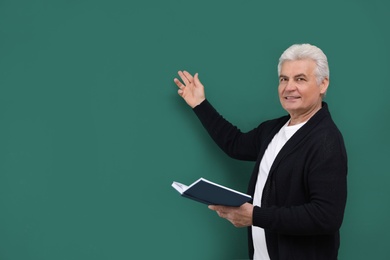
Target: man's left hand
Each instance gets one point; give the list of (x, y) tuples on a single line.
[(238, 216)]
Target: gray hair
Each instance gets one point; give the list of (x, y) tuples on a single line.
[(307, 51)]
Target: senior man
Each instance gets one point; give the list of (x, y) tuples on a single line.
[(299, 181)]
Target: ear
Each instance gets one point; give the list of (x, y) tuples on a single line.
[(324, 86)]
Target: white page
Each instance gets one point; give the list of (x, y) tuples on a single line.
[(179, 187)]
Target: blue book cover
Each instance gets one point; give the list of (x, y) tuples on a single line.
[(210, 193)]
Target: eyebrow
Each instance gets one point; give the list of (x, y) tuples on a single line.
[(296, 76), (300, 75)]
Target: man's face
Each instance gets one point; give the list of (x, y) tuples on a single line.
[(298, 90)]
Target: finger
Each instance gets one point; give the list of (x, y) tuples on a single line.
[(184, 78), (196, 80), (196, 77), (188, 76), (215, 207), (178, 83)]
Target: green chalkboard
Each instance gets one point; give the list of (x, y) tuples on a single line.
[(92, 131)]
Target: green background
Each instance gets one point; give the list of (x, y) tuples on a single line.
[(92, 131)]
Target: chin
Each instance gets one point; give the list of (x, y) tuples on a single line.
[(289, 105)]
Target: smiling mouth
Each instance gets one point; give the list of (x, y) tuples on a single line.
[(291, 98)]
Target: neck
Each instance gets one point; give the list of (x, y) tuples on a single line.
[(297, 118)]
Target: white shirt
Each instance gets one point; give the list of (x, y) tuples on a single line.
[(279, 140)]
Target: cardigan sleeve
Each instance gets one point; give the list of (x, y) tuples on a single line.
[(236, 144), (325, 183)]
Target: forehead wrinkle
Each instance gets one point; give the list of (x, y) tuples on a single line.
[(298, 66)]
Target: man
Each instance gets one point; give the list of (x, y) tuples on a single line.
[(298, 184)]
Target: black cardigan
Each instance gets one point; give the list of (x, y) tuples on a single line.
[(305, 194)]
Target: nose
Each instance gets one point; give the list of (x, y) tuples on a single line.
[(290, 86)]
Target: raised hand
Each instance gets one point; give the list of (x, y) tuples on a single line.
[(192, 91)]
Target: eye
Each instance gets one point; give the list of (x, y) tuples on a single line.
[(301, 79), (282, 79)]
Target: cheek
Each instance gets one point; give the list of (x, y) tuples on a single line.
[(280, 90)]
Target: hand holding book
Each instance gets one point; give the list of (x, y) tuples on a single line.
[(238, 216)]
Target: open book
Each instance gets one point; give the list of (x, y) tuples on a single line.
[(210, 193)]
